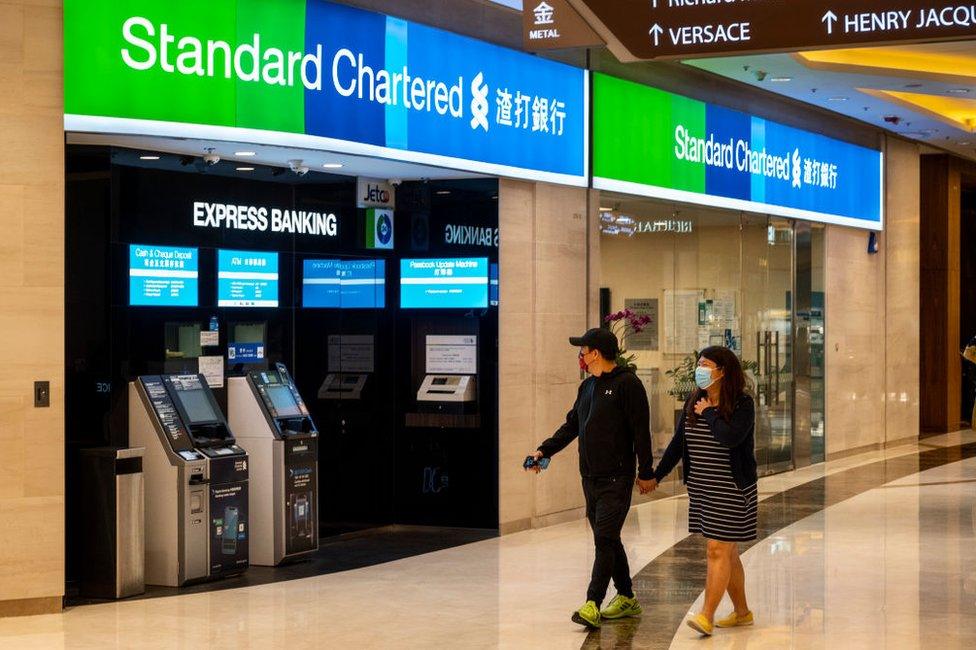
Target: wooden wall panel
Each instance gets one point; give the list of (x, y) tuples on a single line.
[(31, 306)]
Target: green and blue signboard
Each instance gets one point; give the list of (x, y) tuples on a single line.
[(314, 74), (653, 143)]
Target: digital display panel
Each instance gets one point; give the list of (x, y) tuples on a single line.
[(197, 406), (247, 279), (163, 276), (283, 400), (445, 283), (344, 284)]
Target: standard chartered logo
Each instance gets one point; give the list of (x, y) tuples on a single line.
[(150, 46), (479, 102)]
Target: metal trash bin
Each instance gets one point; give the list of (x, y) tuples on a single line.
[(114, 512)]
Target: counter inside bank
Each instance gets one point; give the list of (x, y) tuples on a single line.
[(297, 365)]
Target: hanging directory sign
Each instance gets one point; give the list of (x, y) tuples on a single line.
[(653, 143), (651, 29), (313, 74)]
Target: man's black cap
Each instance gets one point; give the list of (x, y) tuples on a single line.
[(599, 339)]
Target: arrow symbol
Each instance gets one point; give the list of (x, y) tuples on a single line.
[(830, 18), (656, 32)]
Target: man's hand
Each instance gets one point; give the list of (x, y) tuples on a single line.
[(703, 405), (646, 487), (535, 468)]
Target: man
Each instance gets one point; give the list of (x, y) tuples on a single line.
[(611, 418)]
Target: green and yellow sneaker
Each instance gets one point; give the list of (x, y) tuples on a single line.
[(621, 607), (588, 615)]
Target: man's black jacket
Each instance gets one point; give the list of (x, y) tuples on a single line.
[(611, 418)]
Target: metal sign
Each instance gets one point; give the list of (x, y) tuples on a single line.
[(555, 25), (657, 29)]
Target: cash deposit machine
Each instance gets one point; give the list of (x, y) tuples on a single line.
[(196, 479), (270, 418)]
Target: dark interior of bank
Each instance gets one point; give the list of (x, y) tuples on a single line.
[(394, 478)]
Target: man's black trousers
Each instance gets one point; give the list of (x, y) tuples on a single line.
[(607, 504)]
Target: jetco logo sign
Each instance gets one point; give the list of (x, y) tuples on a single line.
[(310, 73), (372, 193)]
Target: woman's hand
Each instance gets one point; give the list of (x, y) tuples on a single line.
[(702, 405)]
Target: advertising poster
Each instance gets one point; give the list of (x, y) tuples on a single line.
[(228, 515), (301, 486)]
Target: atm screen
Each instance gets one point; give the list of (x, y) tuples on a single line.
[(283, 401), (197, 406)]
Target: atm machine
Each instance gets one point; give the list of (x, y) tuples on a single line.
[(196, 479), (270, 417)]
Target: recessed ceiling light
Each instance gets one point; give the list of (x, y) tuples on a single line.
[(244, 154), (443, 192), (780, 79), (148, 157), (960, 91), (837, 99), (245, 169), (332, 166)]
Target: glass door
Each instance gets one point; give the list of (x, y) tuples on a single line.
[(767, 259)]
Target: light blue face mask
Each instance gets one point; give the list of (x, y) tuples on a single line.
[(703, 377)]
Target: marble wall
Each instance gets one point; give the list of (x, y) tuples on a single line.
[(32, 312), (544, 281), (872, 319)]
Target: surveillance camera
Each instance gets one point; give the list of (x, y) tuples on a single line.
[(297, 167), (395, 182), (211, 158)]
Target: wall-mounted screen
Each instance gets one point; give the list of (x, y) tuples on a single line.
[(247, 279), (445, 283), (163, 276), (344, 284)]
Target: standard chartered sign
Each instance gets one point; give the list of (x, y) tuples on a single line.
[(658, 144), (312, 73)]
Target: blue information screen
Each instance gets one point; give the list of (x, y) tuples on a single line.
[(446, 283), (163, 276), (247, 279), (344, 284)]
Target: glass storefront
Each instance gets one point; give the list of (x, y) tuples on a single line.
[(747, 281)]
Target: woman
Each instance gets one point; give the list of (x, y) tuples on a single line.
[(715, 439)]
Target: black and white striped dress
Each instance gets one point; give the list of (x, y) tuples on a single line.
[(718, 509)]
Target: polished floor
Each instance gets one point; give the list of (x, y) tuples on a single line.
[(872, 551)]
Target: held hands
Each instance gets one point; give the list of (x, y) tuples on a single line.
[(702, 405), (646, 487)]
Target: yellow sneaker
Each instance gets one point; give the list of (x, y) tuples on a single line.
[(700, 624), (734, 620)]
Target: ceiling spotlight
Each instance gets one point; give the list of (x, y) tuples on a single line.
[(297, 167), (148, 157), (245, 169), (761, 75), (332, 166), (211, 157), (244, 154)]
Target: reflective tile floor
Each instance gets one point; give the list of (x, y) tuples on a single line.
[(873, 551)]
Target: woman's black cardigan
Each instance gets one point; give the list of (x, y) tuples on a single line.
[(738, 434)]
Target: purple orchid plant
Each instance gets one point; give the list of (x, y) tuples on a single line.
[(625, 324)]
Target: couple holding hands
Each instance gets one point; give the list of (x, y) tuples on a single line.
[(714, 439)]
